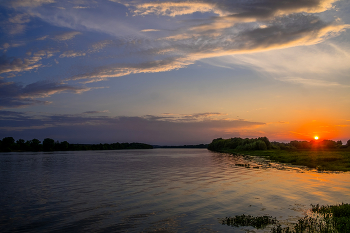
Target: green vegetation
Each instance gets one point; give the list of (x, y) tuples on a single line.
[(326, 155), (248, 220), (9, 144), (326, 219), (240, 144)]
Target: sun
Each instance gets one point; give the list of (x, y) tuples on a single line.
[(316, 137)]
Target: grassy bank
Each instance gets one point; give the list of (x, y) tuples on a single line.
[(327, 160), (328, 219)]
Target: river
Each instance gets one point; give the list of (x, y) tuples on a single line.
[(159, 190)]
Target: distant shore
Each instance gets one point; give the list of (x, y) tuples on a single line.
[(183, 146), (8, 144)]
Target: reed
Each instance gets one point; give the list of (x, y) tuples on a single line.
[(325, 219)]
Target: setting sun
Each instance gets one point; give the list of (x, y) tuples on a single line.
[(316, 137)]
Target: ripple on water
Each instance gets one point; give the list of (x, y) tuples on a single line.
[(164, 190)]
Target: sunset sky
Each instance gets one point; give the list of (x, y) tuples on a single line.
[(174, 72)]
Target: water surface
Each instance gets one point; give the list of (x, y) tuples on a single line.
[(159, 190)]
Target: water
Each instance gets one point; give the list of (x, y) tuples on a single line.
[(159, 190)]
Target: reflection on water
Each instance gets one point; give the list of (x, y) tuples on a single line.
[(162, 190)]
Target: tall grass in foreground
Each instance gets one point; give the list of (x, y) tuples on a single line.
[(326, 219)]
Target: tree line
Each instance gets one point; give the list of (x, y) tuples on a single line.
[(263, 143), (9, 144)]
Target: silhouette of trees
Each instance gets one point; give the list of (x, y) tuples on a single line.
[(35, 145), (237, 143), (8, 144), (48, 144), (263, 143)]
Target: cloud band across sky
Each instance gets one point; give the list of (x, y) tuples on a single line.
[(163, 130)]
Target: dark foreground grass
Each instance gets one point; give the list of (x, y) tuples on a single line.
[(328, 219), (323, 160)]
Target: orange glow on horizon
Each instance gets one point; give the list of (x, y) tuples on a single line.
[(315, 129)]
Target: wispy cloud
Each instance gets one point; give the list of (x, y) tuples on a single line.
[(173, 9), (294, 30), (118, 70), (27, 3), (72, 53), (150, 30), (313, 82), (13, 95), (16, 24), (66, 36), (43, 37), (320, 65), (8, 65), (5, 46), (96, 112), (227, 28), (233, 9)]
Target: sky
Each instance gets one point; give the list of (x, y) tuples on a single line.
[(174, 72)]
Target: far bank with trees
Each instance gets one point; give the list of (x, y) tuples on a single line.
[(9, 144), (322, 155)]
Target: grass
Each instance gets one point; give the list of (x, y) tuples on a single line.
[(248, 220), (323, 160), (328, 219)]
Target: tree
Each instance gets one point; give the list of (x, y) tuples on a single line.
[(339, 143), (7, 143), (261, 145), (348, 143), (35, 144), (329, 144), (267, 142), (64, 145), (21, 144), (48, 144)]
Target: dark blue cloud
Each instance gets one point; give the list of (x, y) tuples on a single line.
[(13, 95)]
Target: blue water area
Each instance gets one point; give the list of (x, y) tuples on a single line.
[(159, 190)]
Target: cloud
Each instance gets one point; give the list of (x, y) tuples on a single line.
[(233, 9), (96, 112), (150, 30), (16, 23), (61, 37), (13, 95), (29, 63), (313, 82), (19, 19), (66, 36), (149, 129), (43, 37), (320, 65), (81, 7), (119, 70), (282, 32), (6, 46), (72, 53), (226, 28), (174, 8), (18, 64), (28, 3)]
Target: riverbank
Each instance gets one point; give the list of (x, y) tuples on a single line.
[(322, 219), (322, 160)]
